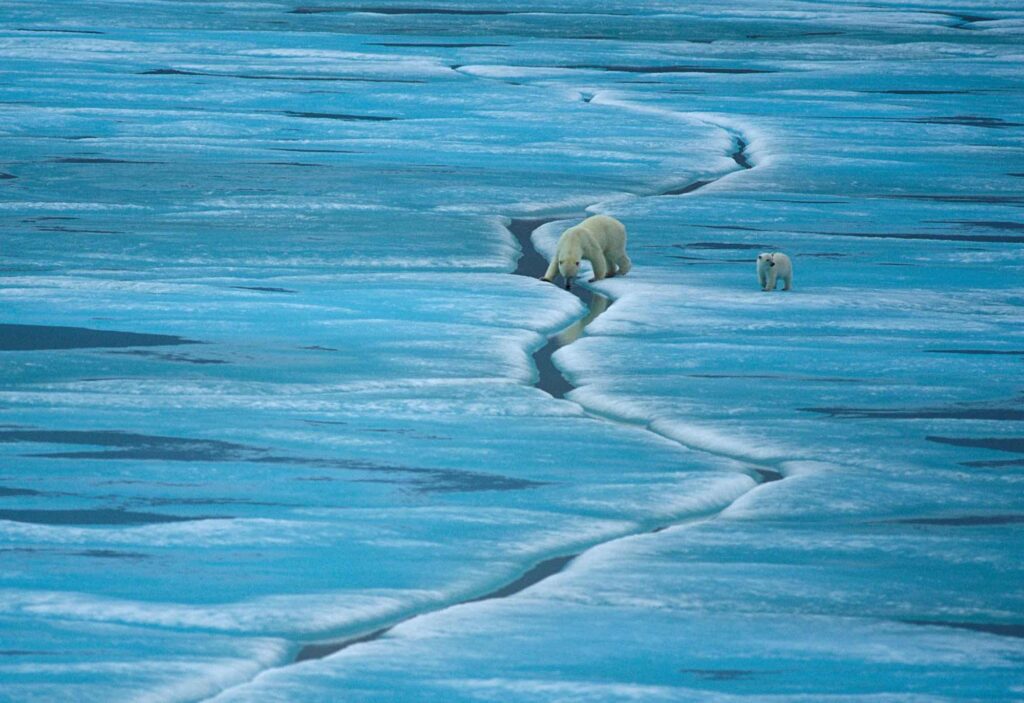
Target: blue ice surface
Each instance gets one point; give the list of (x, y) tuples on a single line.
[(340, 435)]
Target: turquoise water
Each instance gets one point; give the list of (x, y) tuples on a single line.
[(267, 377)]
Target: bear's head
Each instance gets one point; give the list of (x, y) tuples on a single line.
[(765, 260), (570, 253), (569, 267)]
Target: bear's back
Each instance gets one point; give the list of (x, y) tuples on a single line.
[(606, 231)]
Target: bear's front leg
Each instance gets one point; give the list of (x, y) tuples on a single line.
[(549, 275), (600, 269), (771, 280)]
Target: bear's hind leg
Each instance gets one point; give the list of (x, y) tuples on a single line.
[(610, 263), (624, 264)]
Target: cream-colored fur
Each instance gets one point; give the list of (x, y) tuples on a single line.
[(772, 266), (601, 240)]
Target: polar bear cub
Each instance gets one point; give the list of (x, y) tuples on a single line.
[(601, 240), (772, 266)]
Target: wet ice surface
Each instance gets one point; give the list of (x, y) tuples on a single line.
[(267, 377)]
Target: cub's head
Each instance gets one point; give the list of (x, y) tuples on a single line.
[(765, 260)]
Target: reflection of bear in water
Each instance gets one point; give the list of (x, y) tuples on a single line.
[(772, 266), (601, 240)]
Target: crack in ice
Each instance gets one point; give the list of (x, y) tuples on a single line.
[(552, 381)]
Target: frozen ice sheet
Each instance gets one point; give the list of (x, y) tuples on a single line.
[(343, 438), (709, 612)]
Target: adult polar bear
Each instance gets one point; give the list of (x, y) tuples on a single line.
[(601, 240)]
